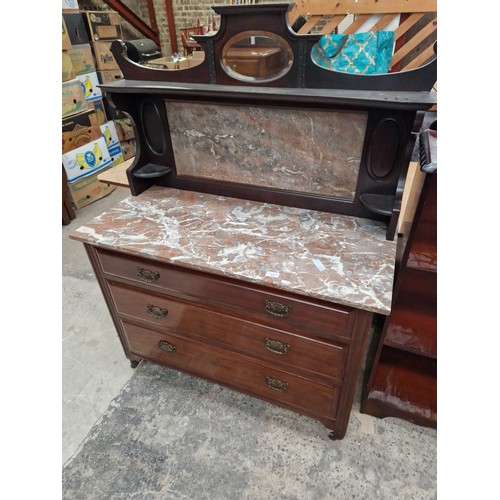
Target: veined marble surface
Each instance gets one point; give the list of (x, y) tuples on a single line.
[(337, 258), (310, 151)]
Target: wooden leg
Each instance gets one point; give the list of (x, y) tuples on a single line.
[(68, 214), (134, 363)]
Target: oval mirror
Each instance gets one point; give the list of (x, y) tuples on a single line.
[(256, 56)]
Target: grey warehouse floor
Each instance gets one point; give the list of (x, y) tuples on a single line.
[(378, 458)]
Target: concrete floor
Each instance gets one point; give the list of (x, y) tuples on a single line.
[(94, 368)]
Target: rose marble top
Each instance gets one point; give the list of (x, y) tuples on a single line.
[(337, 258)]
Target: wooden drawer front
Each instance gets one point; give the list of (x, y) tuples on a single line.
[(324, 360), (237, 372), (278, 310)]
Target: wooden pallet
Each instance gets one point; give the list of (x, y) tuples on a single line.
[(414, 21)]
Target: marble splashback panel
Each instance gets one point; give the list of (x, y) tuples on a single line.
[(308, 151), (337, 258)]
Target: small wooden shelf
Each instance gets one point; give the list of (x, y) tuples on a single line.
[(152, 171), (117, 176), (403, 334), (378, 203), (404, 386), (423, 256)]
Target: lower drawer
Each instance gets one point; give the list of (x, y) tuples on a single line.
[(265, 382)]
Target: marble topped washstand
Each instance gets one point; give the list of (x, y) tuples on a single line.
[(270, 300)]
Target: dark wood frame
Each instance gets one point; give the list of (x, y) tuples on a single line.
[(395, 104)]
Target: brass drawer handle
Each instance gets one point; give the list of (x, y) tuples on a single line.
[(166, 346), (157, 312), (276, 346), (277, 309), (276, 385), (147, 275)]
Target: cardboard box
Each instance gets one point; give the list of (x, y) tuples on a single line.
[(112, 112), (118, 159), (85, 160), (77, 30), (82, 59), (103, 25), (109, 76), (198, 54), (111, 138), (66, 42), (196, 58), (90, 84), (162, 62), (104, 58), (183, 63), (67, 68), (128, 148), (98, 107), (79, 130), (73, 99), (124, 129), (85, 191)]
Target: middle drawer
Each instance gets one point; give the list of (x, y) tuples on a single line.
[(324, 360)]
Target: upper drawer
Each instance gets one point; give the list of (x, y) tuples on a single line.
[(243, 300), (322, 360)]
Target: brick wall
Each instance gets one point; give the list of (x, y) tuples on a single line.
[(185, 14)]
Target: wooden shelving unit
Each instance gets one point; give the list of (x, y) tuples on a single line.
[(403, 378)]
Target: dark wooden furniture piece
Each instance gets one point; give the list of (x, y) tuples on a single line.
[(256, 61), (68, 212), (188, 43), (403, 379), (257, 243)]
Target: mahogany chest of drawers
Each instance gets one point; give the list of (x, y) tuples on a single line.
[(298, 353), (258, 240), (253, 334)]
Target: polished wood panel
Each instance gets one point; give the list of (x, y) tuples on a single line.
[(246, 301), (235, 371), (324, 373), (404, 386), (413, 320), (403, 379), (254, 61), (324, 361)]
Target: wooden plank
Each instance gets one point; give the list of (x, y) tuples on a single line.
[(293, 14), (309, 25), (422, 58), (332, 24), (117, 176), (413, 42), (323, 7), (383, 22), (407, 24), (413, 187), (358, 22)]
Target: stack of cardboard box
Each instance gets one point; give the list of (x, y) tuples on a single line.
[(126, 136), (90, 143), (104, 28), (83, 61)]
